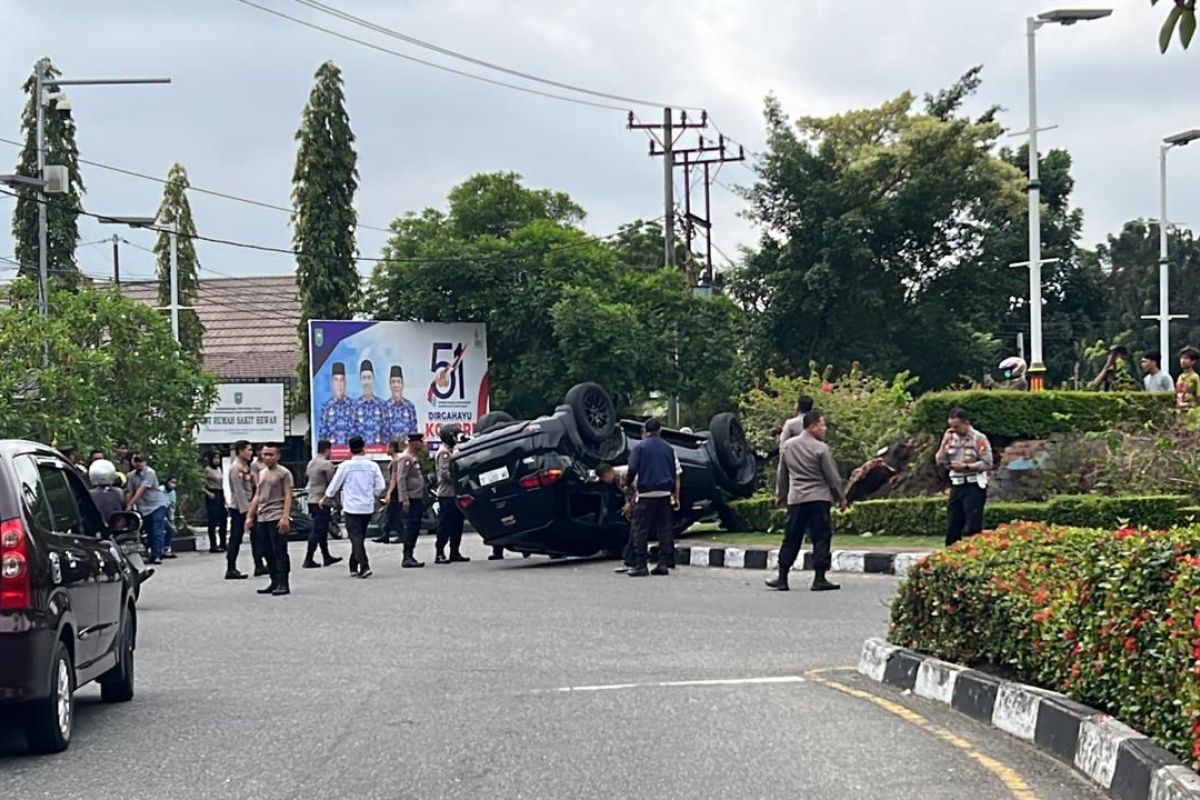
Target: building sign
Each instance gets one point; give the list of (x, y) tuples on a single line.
[(250, 411), (387, 380)]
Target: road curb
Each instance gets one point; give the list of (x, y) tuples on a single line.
[(1128, 765), (864, 561)]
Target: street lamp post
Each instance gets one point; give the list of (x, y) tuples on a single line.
[(1037, 369), (172, 229), (42, 81), (1164, 315)]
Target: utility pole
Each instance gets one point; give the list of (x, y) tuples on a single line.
[(671, 131), (175, 279), (40, 112), (116, 241)]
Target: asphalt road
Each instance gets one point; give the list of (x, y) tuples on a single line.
[(447, 682)]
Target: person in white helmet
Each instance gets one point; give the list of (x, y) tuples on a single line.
[(1012, 375), (102, 474)]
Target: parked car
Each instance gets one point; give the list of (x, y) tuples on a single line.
[(529, 486), (68, 612)]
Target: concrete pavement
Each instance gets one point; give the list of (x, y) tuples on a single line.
[(448, 682)]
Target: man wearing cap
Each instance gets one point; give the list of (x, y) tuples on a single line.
[(450, 516), (409, 486), (368, 411), (337, 415), (399, 413)]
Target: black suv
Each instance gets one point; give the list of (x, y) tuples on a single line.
[(530, 486), (68, 613)]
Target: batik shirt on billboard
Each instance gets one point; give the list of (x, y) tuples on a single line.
[(399, 413), (336, 421)]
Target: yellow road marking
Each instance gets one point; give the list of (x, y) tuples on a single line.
[(1006, 774)]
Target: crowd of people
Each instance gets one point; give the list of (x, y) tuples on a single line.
[(1119, 375)]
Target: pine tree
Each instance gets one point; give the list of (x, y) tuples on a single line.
[(62, 209), (176, 209), (323, 187)]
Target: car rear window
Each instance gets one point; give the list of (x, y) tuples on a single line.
[(33, 495)]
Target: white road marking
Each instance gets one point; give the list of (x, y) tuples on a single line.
[(611, 687)]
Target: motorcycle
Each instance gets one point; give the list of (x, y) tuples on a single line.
[(133, 550)]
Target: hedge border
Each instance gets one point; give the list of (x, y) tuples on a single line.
[(1110, 754)]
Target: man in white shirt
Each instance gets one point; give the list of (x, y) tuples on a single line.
[(1156, 378), (360, 484)]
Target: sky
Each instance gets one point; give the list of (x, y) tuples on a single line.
[(241, 77)]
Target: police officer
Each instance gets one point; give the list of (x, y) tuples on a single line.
[(337, 414), (368, 411), (450, 517), (393, 513), (399, 413), (410, 487)]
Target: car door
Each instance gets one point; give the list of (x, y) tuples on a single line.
[(110, 583), (76, 552)]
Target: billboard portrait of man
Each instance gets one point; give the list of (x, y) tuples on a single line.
[(369, 409), (400, 415), (337, 419)]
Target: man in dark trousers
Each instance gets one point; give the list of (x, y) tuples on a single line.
[(654, 472), (618, 477), (450, 516), (271, 511), (807, 483), (319, 474), (392, 526), (410, 488), (241, 493), (968, 455), (360, 484)]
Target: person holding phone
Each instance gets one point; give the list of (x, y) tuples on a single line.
[(968, 455)]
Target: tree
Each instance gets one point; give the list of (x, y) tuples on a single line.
[(114, 372), (1182, 16), (176, 210), (323, 186), (561, 306), (869, 218), (61, 209)]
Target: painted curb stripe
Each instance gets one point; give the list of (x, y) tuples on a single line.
[(861, 561)]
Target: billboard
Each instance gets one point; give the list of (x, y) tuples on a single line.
[(385, 380), (251, 411)]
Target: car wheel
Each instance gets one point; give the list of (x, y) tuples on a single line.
[(490, 421), (595, 414), (48, 721), (729, 440), (116, 685)]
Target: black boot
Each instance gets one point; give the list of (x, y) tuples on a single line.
[(780, 583), (458, 558), (409, 561), (330, 560), (234, 575), (270, 589), (212, 544), (310, 564), (820, 584), (440, 558)]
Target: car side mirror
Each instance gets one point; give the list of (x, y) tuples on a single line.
[(124, 524)]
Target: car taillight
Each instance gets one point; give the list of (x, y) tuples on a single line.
[(465, 501), (546, 477), (14, 565)]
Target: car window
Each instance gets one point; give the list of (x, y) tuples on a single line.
[(63, 510), (33, 495)]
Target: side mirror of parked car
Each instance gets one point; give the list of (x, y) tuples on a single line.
[(122, 524)]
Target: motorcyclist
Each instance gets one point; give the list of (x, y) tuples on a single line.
[(102, 474), (1012, 375)]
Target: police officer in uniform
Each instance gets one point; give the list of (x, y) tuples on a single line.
[(393, 514), (368, 411), (399, 413), (450, 516), (337, 415), (410, 487)]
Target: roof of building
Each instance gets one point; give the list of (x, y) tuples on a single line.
[(250, 324)]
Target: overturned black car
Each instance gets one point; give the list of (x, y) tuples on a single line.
[(529, 486)]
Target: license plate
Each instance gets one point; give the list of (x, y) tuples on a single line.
[(493, 476)]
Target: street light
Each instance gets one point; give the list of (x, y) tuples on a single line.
[(1164, 315), (1062, 16), (46, 89), (173, 229)]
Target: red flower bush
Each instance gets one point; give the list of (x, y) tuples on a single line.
[(1100, 615)]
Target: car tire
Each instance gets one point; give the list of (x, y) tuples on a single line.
[(116, 685), (490, 421), (595, 414), (48, 721), (729, 441)]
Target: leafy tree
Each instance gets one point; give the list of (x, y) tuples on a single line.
[(1182, 16), (114, 372), (561, 307), (323, 186), (868, 219), (62, 209), (176, 210)]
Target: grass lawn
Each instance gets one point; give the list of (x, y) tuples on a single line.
[(711, 532)]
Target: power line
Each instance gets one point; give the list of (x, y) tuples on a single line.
[(213, 192), (435, 65), (363, 23), (586, 239)]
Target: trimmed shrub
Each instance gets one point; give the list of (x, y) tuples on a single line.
[(1110, 618), (1036, 415), (926, 516)]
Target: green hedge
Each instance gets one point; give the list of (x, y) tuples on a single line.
[(1035, 415), (926, 516), (1111, 618)]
